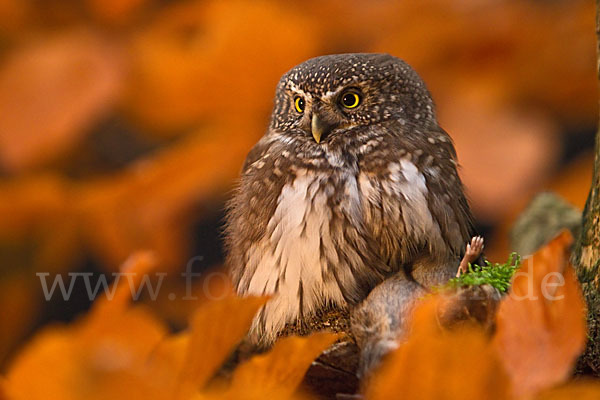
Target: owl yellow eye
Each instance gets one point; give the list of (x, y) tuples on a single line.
[(350, 100), (299, 104)]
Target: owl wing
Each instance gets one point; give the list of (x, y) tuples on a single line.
[(253, 203), (416, 207), (447, 200)]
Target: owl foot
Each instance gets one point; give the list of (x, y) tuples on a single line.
[(473, 252)]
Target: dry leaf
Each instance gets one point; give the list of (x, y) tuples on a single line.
[(215, 330), (280, 371), (90, 358), (541, 324), (433, 364), (523, 59), (28, 203), (137, 267), (118, 351), (165, 363)]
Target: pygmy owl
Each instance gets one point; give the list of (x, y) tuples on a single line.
[(350, 200)]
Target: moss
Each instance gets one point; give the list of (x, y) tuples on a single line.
[(496, 275)]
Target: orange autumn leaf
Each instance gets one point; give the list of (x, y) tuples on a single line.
[(76, 363), (50, 357), (86, 359), (181, 364), (165, 364), (135, 269), (280, 371), (216, 328), (119, 351), (37, 234), (437, 364), (51, 92), (110, 215), (541, 324)]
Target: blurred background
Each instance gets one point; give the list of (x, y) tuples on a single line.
[(124, 123)]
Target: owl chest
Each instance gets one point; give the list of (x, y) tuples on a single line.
[(313, 251), (303, 239), (330, 239)]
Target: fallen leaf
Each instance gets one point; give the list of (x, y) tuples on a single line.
[(437, 364), (137, 267), (215, 330), (165, 363), (280, 371), (30, 203), (90, 359), (541, 323), (521, 59)]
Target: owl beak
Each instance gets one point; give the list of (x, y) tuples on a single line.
[(320, 128)]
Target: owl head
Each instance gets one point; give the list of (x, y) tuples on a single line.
[(334, 94)]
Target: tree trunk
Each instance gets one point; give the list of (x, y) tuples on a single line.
[(587, 251)]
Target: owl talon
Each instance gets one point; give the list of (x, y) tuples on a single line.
[(472, 252)]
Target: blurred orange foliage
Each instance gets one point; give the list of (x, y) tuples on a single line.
[(120, 351), (208, 59), (540, 331), (124, 123), (51, 92), (434, 364)]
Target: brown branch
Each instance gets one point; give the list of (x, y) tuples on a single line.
[(587, 252)]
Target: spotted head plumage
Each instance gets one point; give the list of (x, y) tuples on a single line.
[(338, 92), (353, 182)]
